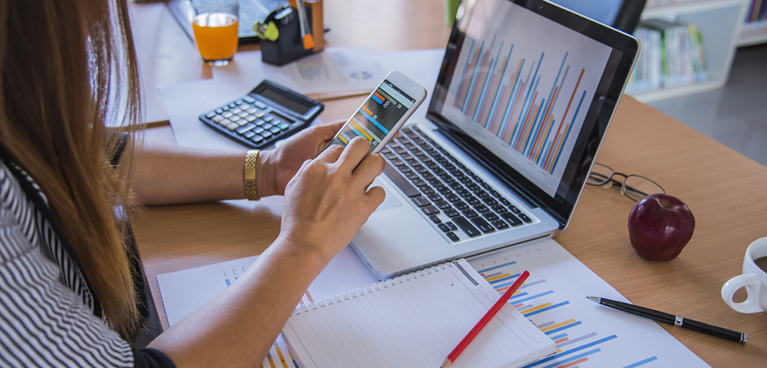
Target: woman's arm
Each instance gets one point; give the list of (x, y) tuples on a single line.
[(169, 174), (326, 203)]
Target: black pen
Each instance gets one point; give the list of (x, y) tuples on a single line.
[(678, 321)]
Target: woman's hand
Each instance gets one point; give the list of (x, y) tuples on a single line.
[(326, 203), (328, 200), (279, 165)]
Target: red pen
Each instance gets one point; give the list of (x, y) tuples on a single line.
[(485, 319)]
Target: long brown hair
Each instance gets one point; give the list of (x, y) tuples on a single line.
[(66, 67)]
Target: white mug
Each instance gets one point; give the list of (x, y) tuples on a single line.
[(754, 279)]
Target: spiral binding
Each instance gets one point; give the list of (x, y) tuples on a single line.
[(369, 289)]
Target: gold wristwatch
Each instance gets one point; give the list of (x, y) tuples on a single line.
[(249, 175)]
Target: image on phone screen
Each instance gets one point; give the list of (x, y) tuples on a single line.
[(377, 116)]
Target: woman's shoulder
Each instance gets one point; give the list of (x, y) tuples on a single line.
[(12, 192), (45, 306), (26, 225), (8, 184), (16, 216)]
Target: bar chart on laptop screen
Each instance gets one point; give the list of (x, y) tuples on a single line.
[(523, 85), (528, 124)]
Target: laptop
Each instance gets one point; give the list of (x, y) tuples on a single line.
[(525, 94)]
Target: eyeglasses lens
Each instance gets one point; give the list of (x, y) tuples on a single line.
[(599, 175), (638, 187)]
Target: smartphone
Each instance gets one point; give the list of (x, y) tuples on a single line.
[(384, 112)]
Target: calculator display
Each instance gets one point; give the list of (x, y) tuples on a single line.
[(285, 101)]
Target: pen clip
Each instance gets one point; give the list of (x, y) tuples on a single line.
[(678, 321)]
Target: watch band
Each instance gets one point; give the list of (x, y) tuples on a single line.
[(249, 175)]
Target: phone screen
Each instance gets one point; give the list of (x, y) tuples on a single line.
[(377, 116)]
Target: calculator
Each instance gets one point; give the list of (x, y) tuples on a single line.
[(268, 113)]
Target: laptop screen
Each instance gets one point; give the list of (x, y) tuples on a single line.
[(524, 85)]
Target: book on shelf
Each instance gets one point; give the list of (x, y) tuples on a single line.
[(756, 11), (671, 54)]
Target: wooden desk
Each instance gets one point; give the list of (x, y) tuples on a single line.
[(723, 188)]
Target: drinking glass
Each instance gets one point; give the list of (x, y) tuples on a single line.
[(215, 26)]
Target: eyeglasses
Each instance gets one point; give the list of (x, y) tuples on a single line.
[(633, 186)]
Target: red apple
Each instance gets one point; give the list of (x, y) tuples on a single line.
[(660, 225)]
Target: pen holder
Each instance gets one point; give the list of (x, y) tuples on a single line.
[(289, 46)]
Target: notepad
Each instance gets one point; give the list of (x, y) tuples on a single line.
[(414, 320)]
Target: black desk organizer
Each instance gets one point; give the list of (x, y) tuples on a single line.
[(289, 46)]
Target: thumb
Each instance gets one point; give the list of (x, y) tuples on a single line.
[(326, 132)]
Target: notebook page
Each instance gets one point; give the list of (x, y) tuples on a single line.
[(413, 321)]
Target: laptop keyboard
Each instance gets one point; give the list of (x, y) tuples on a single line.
[(446, 191)]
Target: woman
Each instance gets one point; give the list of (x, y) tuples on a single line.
[(67, 291)]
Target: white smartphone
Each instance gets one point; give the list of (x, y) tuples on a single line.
[(384, 112)]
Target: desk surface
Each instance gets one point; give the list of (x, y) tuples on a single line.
[(723, 188)]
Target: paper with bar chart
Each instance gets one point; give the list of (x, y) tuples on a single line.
[(587, 334), (525, 96), (554, 298), (184, 291)]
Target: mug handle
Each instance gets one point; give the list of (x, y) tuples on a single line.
[(752, 285)]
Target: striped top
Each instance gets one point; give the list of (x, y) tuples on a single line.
[(49, 315)]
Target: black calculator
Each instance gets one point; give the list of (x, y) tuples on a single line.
[(268, 113)]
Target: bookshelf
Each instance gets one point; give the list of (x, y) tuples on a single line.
[(719, 22), (754, 31)]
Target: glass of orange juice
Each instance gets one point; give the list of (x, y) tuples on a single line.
[(215, 27)]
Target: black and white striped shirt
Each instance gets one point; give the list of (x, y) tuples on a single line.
[(49, 315)]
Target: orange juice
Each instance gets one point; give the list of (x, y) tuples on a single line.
[(216, 35)]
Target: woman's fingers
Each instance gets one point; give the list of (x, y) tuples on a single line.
[(331, 154), (367, 170), (355, 151), (375, 196), (326, 132)]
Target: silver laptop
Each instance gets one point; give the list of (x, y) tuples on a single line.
[(524, 96)]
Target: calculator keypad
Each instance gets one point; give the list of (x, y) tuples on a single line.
[(250, 122)]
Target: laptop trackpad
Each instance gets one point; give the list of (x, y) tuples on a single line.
[(389, 203)]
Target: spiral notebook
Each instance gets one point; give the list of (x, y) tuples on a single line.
[(414, 320)]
